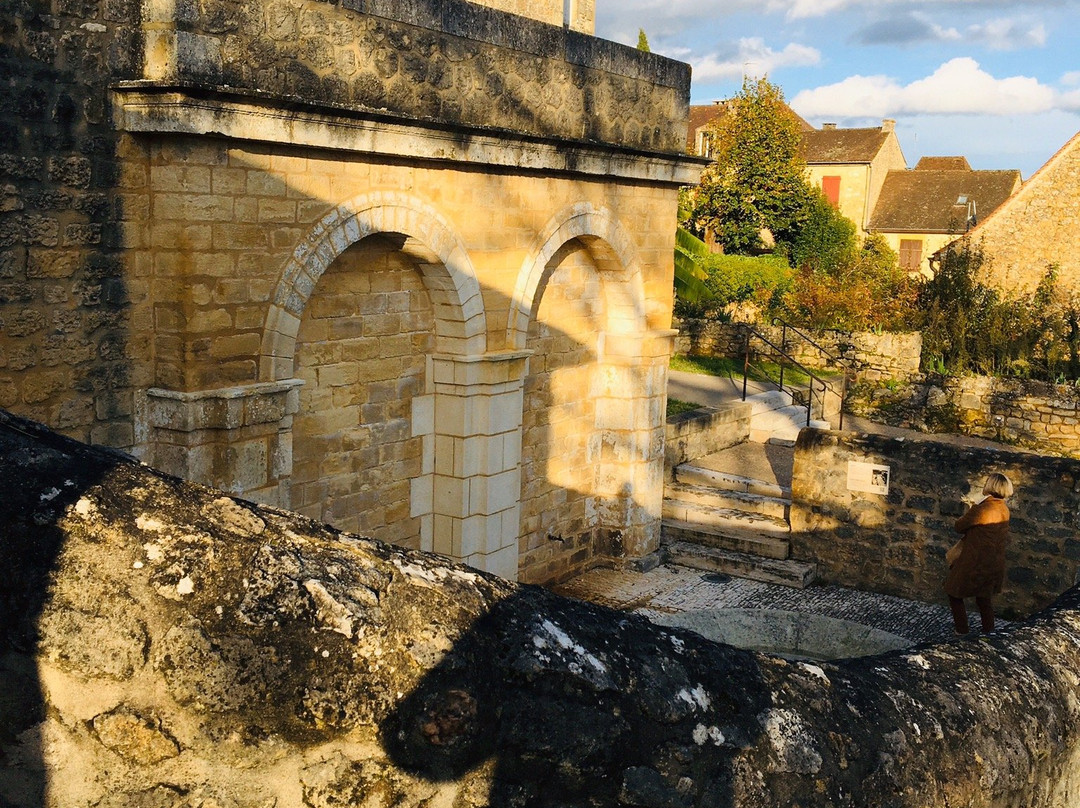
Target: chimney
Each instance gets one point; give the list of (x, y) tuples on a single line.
[(829, 126), (888, 125)]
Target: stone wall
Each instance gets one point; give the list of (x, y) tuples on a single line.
[(872, 356), (896, 543), (452, 62), (1035, 414), (67, 329), (1036, 227), (700, 432), (165, 645)]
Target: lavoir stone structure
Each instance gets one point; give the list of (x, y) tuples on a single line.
[(403, 266)]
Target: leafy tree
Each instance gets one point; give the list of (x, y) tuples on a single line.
[(758, 179), (642, 41), (825, 239)]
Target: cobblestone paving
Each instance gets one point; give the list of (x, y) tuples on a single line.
[(671, 589)]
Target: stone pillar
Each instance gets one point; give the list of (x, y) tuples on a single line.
[(235, 438), (630, 393), (468, 497)]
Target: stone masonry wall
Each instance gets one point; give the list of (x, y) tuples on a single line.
[(67, 328), (1036, 227), (1030, 413), (362, 357), (872, 356), (896, 543), (164, 645), (700, 432), (559, 439), (453, 62)]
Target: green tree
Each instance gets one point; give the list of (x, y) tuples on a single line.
[(642, 41), (758, 180)]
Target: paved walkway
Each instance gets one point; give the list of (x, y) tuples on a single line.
[(674, 589)]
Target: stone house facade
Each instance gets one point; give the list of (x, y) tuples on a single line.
[(850, 166), (922, 210), (401, 266), (1036, 228)]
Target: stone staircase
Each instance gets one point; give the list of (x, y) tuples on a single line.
[(722, 522), (776, 418)]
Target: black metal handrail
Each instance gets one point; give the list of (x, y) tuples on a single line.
[(835, 360), (786, 359)]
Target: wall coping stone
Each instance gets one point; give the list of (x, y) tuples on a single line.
[(152, 107), (224, 407)]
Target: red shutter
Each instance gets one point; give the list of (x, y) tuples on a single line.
[(830, 186)]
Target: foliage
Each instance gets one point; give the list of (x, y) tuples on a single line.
[(758, 179), (826, 238), (970, 327), (691, 254), (866, 290), (738, 278), (642, 41)]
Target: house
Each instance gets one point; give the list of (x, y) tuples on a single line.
[(920, 211), (1037, 227), (851, 165)]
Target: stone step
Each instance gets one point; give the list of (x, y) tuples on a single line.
[(690, 474), (776, 507), (789, 572), (783, 425), (673, 531), (730, 521), (768, 401)]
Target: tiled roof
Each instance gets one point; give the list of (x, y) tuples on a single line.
[(943, 164), (929, 201), (828, 146)]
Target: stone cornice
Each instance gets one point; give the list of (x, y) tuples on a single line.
[(152, 108)]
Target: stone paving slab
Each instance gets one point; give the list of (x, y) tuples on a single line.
[(673, 589)]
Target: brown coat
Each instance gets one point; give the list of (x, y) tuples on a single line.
[(980, 570)]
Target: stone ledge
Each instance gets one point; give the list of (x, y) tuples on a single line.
[(150, 107), (223, 408)]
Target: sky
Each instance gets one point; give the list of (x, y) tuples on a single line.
[(997, 81)]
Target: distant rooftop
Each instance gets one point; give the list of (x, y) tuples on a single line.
[(931, 200), (832, 145)]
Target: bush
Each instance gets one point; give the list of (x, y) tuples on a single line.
[(866, 290), (969, 327), (738, 278)]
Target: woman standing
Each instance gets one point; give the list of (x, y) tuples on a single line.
[(979, 571)]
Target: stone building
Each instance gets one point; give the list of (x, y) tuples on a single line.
[(850, 166), (920, 211), (401, 266), (1036, 228)]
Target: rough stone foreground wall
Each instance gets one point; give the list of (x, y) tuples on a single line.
[(896, 543), (165, 645), (453, 62), (873, 356), (1036, 227)]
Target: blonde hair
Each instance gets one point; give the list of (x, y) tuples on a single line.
[(998, 485)]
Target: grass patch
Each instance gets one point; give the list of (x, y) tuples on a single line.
[(759, 371), (678, 407)]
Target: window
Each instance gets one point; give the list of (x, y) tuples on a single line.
[(830, 186), (910, 254)]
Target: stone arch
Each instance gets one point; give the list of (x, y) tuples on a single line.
[(460, 323), (611, 247)]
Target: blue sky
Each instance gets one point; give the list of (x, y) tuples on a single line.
[(994, 80)]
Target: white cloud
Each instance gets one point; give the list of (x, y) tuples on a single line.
[(753, 57), (1071, 79), (959, 86), (1005, 34), (805, 9)]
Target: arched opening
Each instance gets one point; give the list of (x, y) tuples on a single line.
[(361, 350), (560, 443)]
